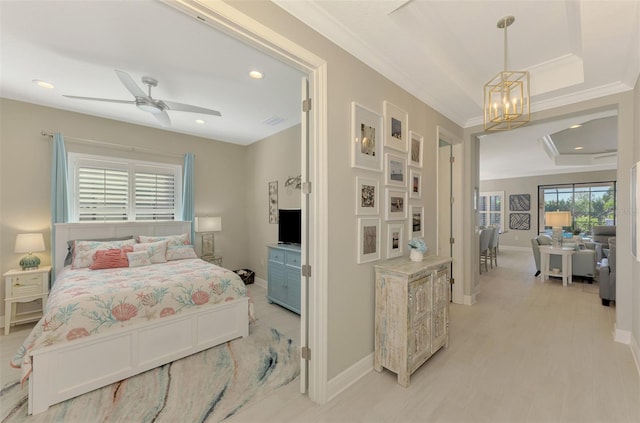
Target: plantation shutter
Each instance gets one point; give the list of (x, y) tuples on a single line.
[(155, 194), (102, 194)]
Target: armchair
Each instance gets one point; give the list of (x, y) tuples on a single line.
[(583, 262), (607, 275), (600, 235)]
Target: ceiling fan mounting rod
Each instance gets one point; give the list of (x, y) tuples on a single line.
[(149, 82)]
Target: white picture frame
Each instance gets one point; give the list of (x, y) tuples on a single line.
[(368, 239), (395, 204), (415, 184), (367, 196), (366, 138), (416, 222), (396, 127), (416, 149), (395, 240), (395, 170)]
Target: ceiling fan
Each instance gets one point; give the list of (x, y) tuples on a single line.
[(158, 108)]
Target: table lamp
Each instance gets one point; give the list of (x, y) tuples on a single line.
[(29, 243), (557, 220), (206, 225)]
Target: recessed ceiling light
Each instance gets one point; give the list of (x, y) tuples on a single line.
[(575, 126), (200, 122), (578, 148), (43, 84), (255, 74)]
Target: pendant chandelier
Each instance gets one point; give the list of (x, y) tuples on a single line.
[(506, 96)]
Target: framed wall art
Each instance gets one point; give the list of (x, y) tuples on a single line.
[(417, 221), (520, 221), (396, 131), (395, 170), (273, 202), (395, 239), (366, 138), (366, 196), (368, 240), (415, 183), (395, 205), (416, 141), (520, 202)]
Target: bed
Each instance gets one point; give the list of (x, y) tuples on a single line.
[(138, 332)]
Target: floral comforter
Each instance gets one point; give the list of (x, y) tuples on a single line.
[(84, 302)]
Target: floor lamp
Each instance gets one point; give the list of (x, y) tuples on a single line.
[(557, 220), (207, 226)]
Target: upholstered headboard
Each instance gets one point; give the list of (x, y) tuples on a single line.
[(92, 230)]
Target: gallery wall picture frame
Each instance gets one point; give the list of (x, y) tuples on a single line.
[(417, 222), (415, 184), (395, 239), (366, 138), (520, 202), (520, 221), (273, 202), (367, 196), (395, 204), (368, 239), (396, 127), (416, 143), (395, 170)]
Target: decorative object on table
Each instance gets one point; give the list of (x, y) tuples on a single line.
[(366, 196), (557, 220), (396, 127), (417, 221), (506, 96), (368, 240), (247, 275), (416, 142), (395, 239), (207, 226), (415, 184), (273, 202), (418, 249), (520, 221), (395, 205), (29, 243), (520, 202), (294, 181), (395, 170), (366, 138)]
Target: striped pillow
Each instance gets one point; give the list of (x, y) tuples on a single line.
[(110, 259)]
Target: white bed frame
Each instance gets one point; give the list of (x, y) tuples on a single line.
[(70, 369)]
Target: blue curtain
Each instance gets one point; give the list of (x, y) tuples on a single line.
[(188, 209), (59, 191)]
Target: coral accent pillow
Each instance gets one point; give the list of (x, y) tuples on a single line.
[(138, 258), (157, 250), (181, 252), (83, 251), (110, 259), (171, 239)]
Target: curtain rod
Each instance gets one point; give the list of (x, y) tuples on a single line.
[(114, 145)]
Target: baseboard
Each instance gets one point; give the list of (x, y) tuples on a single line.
[(469, 299), (635, 352), (260, 282), (350, 376), (513, 248), (622, 336), (2, 322)]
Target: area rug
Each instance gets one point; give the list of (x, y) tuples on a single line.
[(209, 386)]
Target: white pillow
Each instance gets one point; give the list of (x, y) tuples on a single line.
[(138, 258), (180, 252), (157, 250), (171, 239)]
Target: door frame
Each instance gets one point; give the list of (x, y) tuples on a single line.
[(224, 17)]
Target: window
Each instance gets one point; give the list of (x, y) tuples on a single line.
[(491, 209), (111, 189), (590, 204)]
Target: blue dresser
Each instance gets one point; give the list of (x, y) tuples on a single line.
[(283, 285)]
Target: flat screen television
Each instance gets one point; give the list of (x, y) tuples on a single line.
[(289, 226)]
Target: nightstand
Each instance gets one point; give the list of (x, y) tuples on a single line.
[(217, 260), (22, 286)]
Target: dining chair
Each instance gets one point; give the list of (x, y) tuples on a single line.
[(485, 238), (493, 247)]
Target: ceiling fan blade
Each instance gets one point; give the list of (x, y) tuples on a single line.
[(163, 118), (130, 84), (108, 100), (181, 107)]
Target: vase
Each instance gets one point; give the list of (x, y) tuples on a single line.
[(416, 255)]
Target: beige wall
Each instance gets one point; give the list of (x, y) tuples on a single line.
[(635, 271), (272, 159), (529, 185)]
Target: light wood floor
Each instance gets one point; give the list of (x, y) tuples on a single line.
[(527, 351)]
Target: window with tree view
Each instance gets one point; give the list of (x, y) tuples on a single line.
[(590, 204)]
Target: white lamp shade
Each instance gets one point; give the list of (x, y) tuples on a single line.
[(208, 224), (557, 218), (29, 243)]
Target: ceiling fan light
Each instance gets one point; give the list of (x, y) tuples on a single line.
[(148, 107)]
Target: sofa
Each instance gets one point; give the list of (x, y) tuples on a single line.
[(607, 274), (583, 261)]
